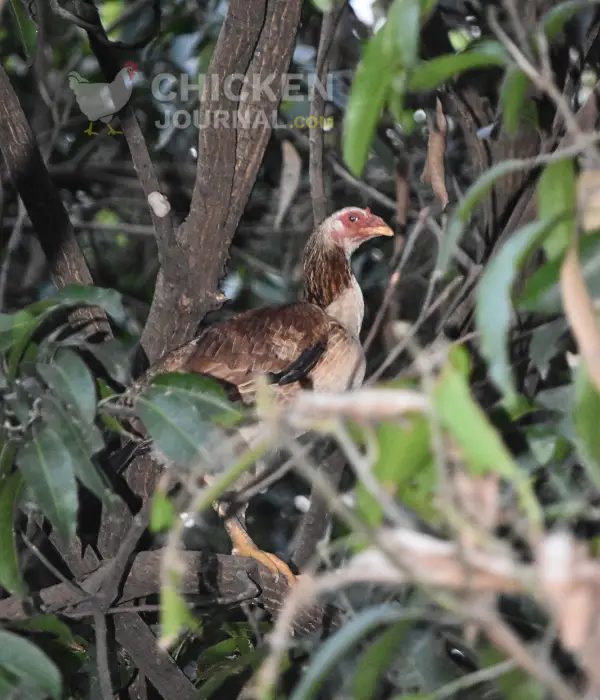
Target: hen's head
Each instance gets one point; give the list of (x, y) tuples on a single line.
[(132, 69), (350, 227)]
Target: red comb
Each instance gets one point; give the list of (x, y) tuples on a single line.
[(368, 210)]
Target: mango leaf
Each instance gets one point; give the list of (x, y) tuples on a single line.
[(113, 354), (480, 444), (544, 344), (323, 5), (82, 442), (52, 625), (13, 327), (10, 574), (180, 410), (431, 74), (557, 198), (493, 309), (404, 456), (207, 393), (585, 421), (46, 464), (175, 616), (461, 215), (34, 671), (87, 295), (26, 28), (227, 669), (71, 380), (542, 291), (339, 644), (403, 28), (375, 660), (163, 512), (372, 80), (553, 21), (512, 96)]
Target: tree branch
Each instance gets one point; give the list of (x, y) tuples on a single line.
[(42, 201)]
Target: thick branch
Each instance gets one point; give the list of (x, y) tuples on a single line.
[(217, 577), (46, 211), (256, 41)]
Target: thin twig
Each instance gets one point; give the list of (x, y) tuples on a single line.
[(317, 109), (13, 245), (102, 657)]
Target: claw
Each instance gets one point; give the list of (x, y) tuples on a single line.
[(113, 131), (89, 131)]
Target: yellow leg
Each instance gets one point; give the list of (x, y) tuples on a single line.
[(243, 546), (112, 131), (90, 132)]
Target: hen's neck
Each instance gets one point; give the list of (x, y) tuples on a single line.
[(330, 284)]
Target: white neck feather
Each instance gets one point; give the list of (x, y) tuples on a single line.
[(348, 309)]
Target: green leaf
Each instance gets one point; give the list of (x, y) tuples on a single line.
[(371, 83), (481, 446), (585, 421), (542, 291), (323, 5), (512, 96), (556, 198), (553, 21), (226, 670), (87, 295), (163, 512), (82, 442), (180, 410), (404, 28), (461, 215), (10, 574), (34, 670), (376, 659), (175, 616), (493, 309), (431, 74), (13, 327), (340, 643), (404, 460), (52, 625), (69, 377), (47, 467), (544, 344), (26, 28)]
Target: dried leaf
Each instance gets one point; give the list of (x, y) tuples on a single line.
[(579, 310), (402, 194), (291, 172), (434, 171), (588, 199)]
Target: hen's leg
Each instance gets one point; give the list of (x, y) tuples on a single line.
[(243, 545), (89, 131), (112, 131)]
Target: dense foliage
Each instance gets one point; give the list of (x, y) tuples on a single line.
[(462, 555)]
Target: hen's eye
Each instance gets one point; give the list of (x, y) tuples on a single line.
[(352, 218)]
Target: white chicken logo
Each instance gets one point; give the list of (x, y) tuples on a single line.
[(101, 101)]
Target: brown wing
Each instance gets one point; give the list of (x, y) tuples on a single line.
[(264, 341)]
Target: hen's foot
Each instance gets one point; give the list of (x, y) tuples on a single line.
[(89, 131), (243, 546), (112, 131)]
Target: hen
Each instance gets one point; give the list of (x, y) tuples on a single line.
[(313, 342), (101, 101)]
